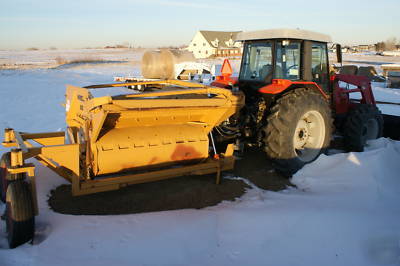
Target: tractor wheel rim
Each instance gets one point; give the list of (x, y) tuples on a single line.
[(309, 136), (371, 129)]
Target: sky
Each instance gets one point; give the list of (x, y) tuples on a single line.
[(153, 23)]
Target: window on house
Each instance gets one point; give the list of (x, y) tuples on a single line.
[(194, 44), (204, 44)]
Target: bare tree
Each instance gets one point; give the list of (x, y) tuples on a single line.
[(390, 44), (380, 47)]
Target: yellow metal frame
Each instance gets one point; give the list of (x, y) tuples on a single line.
[(64, 160), (87, 118)]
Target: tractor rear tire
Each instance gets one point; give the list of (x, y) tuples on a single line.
[(298, 129), (364, 122), (20, 218)]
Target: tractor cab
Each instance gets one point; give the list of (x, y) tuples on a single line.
[(283, 54)]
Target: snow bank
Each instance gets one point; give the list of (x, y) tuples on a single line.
[(377, 169), (361, 190)]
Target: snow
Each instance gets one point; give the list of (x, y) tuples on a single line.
[(366, 59), (48, 58), (344, 210), (388, 95), (391, 53)]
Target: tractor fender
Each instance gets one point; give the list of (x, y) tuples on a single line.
[(279, 86)]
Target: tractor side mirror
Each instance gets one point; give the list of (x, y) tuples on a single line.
[(339, 53)]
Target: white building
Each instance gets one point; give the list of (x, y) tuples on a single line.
[(214, 43)]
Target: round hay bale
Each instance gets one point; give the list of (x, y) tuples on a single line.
[(150, 64), (161, 64)]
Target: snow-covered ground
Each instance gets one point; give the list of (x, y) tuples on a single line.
[(53, 58), (367, 59), (388, 95), (345, 210)]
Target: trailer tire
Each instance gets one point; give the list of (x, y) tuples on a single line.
[(20, 218), (298, 129), (364, 122)]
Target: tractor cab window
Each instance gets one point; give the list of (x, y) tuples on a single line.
[(319, 65), (287, 60), (257, 62)]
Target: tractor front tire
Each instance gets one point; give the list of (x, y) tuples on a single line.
[(20, 218), (298, 129), (364, 122)]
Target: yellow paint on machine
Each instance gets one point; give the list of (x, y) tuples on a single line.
[(132, 147), (130, 139)]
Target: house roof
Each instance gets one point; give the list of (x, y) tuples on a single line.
[(283, 34), (222, 36)]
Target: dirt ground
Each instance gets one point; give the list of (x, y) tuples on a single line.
[(178, 193)]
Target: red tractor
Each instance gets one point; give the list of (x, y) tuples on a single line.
[(293, 102)]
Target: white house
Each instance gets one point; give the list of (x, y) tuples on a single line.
[(214, 43)]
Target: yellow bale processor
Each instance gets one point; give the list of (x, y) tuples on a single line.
[(139, 136)]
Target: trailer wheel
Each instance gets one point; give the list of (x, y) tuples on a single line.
[(364, 122), (298, 129), (20, 219)]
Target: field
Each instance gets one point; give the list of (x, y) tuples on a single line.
[(341, 209)]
